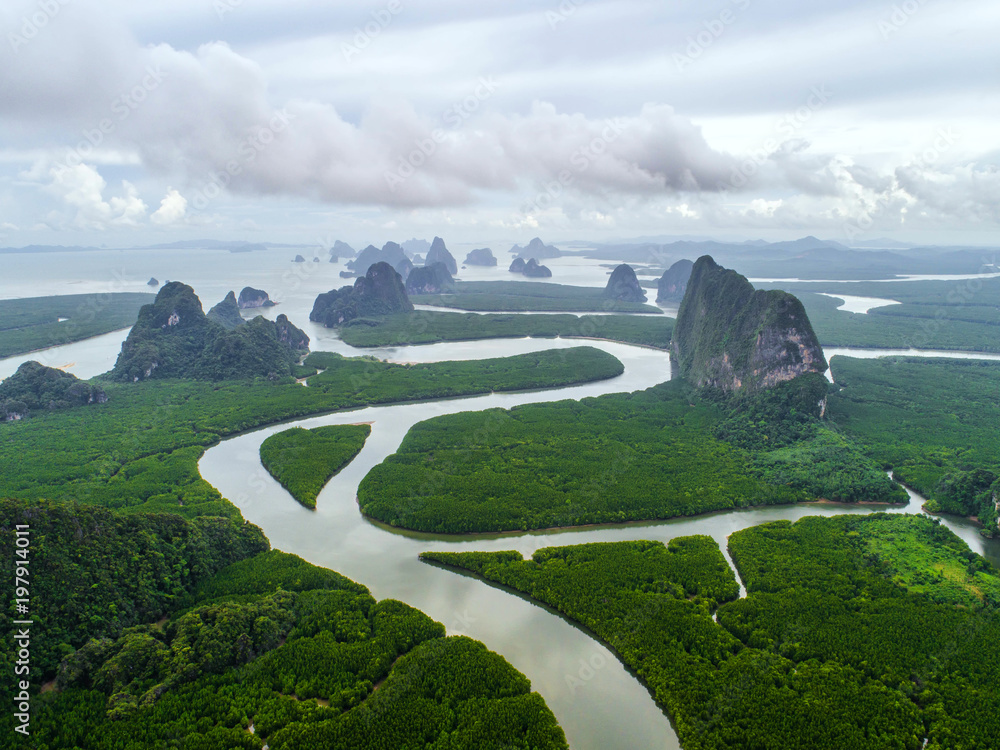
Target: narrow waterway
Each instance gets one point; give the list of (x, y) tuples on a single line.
[(597, 701)]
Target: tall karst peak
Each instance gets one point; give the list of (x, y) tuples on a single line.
[(730, 336)]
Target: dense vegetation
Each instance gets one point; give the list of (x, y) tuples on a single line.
[(270, 650), (303, 461), (379, 382), (730, 336), (27, 325), (791, 446), (960, 315), (659, 453), (857, 631), (93, 574), (520, 296), (934, 422), (35, 387), (424, 327), (139, 451), (898, 600), (433, 278), (173, 338), (227, 312)]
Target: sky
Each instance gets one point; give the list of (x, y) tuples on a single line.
[(300, 121)]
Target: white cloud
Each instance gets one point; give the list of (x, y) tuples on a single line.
[(172, 210), (130, 209), (761, 207), (82, 187), (281, 113)]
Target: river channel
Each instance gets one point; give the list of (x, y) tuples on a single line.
[(598, 702)]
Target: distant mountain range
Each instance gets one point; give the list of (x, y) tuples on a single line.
[(233, 246), (806, 258)]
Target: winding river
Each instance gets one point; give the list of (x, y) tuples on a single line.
[(597, 701)]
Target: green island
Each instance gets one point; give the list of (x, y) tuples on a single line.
[(139, 450), (521, 296), (303, 461), (31, 324), (669, 451), (864, 632), (932, 421), (382, 381), (194, 634), (431, 327), (963, 315)]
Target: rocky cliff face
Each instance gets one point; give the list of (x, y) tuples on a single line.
[(35, 388), (173, 338), (672, 285), (733, 337), (533, 269), (623, 285), (439, 254), (390, 253), (536, 249), (227, 312), (415, 247), (482, 256), (404, 268), (292, 337), (433, 279), (342, 250), (379, 292), (251, 299)]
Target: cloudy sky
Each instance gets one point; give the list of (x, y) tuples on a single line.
[(297, 120)]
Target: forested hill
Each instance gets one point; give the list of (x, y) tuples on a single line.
[(379, 292), (95, 573), (735, 338), (173, 338), (191, 634), (35, 387)]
